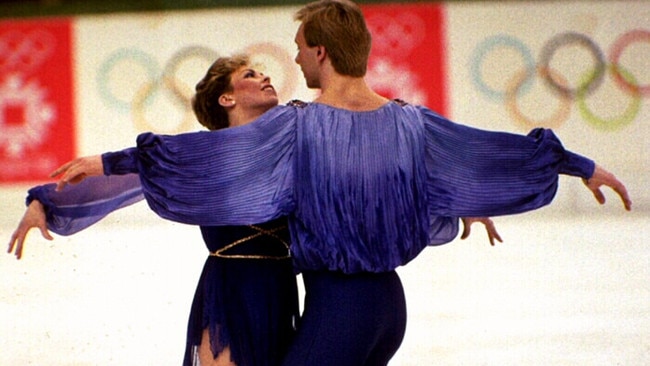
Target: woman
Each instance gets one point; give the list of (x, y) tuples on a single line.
[(246, 303), (248, 267)]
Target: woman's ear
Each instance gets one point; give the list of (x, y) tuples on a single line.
[(226, 100)]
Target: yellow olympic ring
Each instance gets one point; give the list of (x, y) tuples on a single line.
[(556, 119), (139, 110)]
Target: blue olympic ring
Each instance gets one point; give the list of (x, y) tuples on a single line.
[(487, 46), (143, 59)]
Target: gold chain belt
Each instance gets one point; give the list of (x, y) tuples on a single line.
[(220, 252)]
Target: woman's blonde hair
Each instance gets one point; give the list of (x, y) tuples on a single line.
[(216, 81)]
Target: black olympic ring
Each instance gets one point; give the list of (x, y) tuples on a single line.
[(595, 76), (182, 92)]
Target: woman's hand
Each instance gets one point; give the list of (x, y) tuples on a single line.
[(34, 217)]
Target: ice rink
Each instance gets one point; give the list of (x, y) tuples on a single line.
[(561, 290)]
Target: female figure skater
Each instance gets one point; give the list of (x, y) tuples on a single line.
[(245, 307)]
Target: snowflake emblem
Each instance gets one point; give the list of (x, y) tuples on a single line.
[(394, 81), (25, 115)]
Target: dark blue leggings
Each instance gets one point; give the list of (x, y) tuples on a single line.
[(349, 320)]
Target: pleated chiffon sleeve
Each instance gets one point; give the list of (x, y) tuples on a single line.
[(235, 176), (81, 205), (473, 172)]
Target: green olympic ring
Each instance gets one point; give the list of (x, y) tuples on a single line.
[(628, 115)]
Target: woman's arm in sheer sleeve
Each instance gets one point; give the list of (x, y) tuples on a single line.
[(78, 206)]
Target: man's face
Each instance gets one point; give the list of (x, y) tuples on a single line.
[(307, 59)]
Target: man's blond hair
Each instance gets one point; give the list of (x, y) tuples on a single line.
[(340, 27)]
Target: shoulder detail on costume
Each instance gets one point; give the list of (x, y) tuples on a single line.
[(297, 103), (400, 102)]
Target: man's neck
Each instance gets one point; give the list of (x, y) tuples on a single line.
[(351, 93)]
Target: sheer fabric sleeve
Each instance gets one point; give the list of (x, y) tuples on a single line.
[(235, 176), (79, 206), (474, 172)]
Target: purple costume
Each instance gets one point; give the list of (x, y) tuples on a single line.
[(364, 193)]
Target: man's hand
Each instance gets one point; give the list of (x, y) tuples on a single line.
[(602, 177), (77, 170), (489, 227)]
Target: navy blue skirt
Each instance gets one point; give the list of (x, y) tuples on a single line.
[(247, 295)]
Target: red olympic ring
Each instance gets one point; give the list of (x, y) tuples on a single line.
[(637, 35)]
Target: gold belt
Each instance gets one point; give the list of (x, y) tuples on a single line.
[(271, 232)]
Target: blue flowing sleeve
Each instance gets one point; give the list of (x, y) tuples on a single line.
[(235, 176), (79, 206), (473, 173)]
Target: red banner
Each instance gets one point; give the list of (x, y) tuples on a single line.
[(408, 53), (36, 98)]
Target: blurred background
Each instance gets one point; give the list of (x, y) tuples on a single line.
[(570, 285)]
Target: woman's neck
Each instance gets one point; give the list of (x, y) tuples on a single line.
[(244, 116)]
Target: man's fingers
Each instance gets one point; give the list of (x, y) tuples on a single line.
[(622, 192), (63, 168), (598, 194), (12, 243), (46, 233)]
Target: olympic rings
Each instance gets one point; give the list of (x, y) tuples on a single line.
[(122, 55), (150, 81), (588, 82), (624, 119), (617, 50), (283, 70), (488, 45), (525, 78), (182, 92), (595, 77), (141, 98)]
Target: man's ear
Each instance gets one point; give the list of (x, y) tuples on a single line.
[(226, 100), (321, 53)]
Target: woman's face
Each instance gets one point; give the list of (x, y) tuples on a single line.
[(252, 90)]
